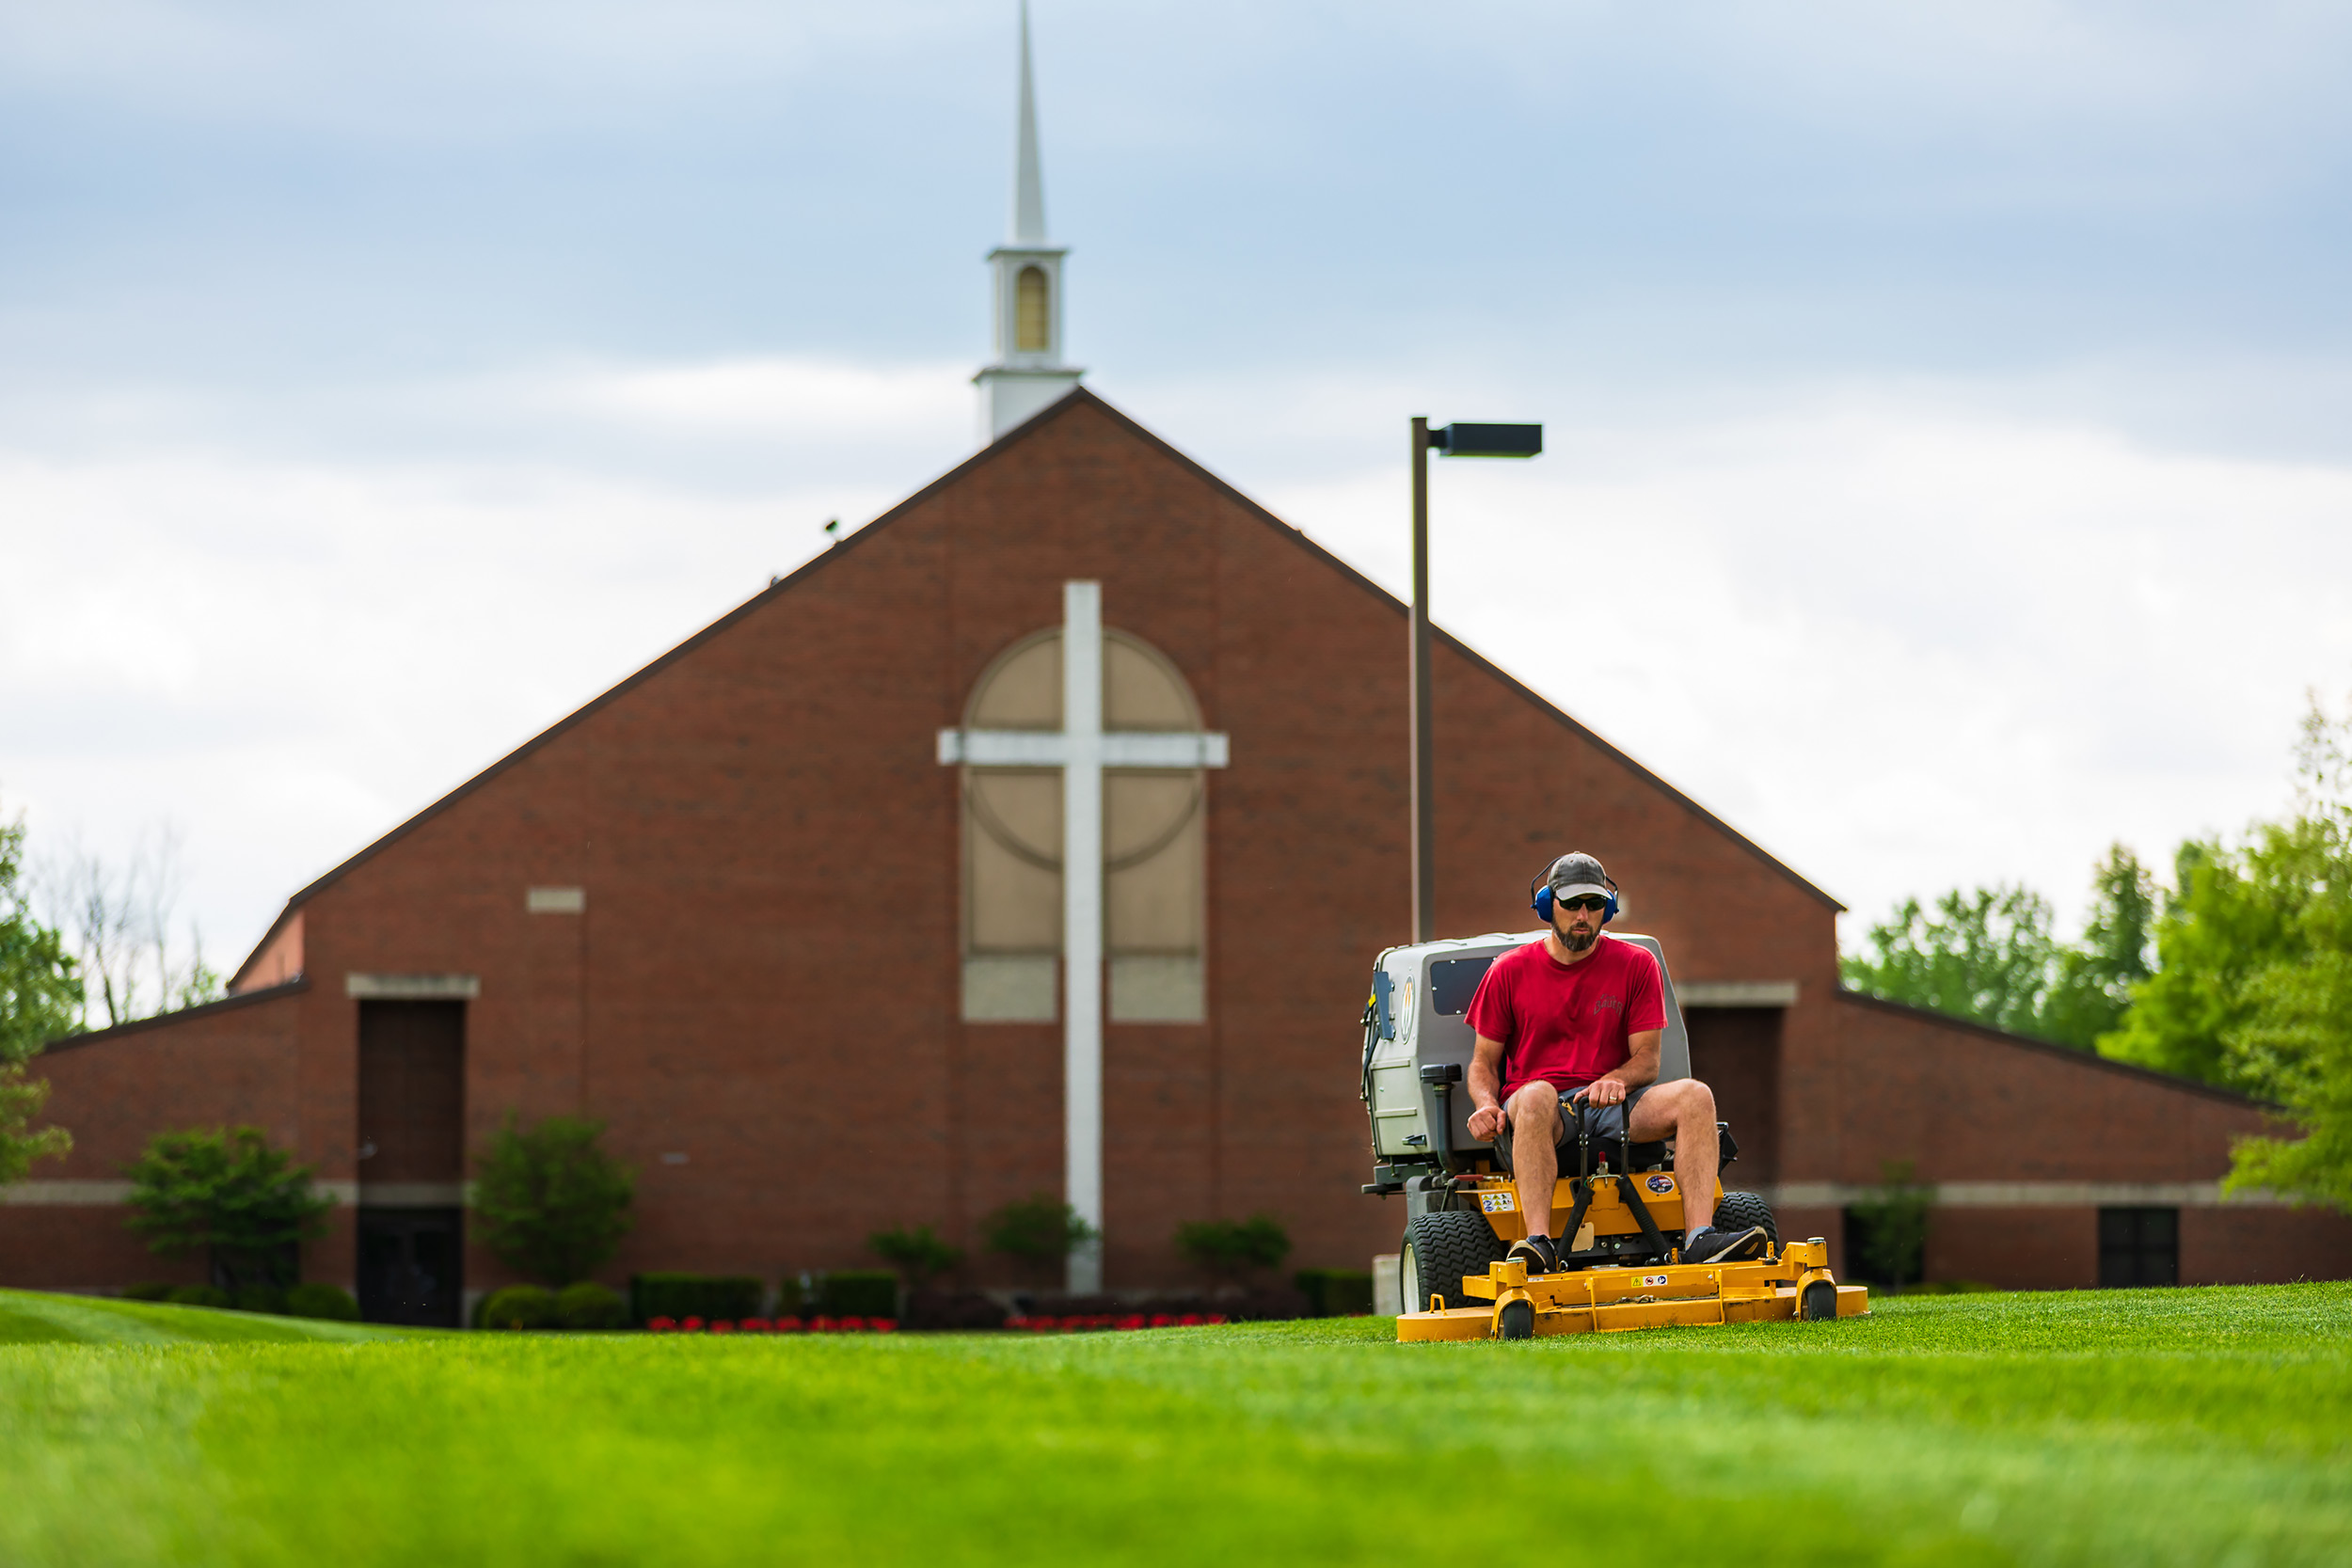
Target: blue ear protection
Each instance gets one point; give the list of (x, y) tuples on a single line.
[(1543, 900)]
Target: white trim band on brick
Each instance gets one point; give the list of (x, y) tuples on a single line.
[(2029, 1195), (405, 1195), (66, 1194), (555, 900), (105, 1195), (412, 988), (1736, 993)]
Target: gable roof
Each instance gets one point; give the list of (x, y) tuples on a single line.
[(1081, 397), (242, 999), (2074, 1056)]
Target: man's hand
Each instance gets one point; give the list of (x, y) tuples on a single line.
[(1603, 1091), (1486, 1123)]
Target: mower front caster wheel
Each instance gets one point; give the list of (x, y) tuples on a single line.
[(1518, 1320), (1817, 1303)]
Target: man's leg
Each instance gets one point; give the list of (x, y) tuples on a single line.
[(1535, 1116), (1684, 1111)]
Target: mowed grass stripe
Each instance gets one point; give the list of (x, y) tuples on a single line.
[(37, 1317), (2169, 1427)]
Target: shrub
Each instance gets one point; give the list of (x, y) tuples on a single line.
[(519, 1306), (1886, 1234), (1038, 1231), (1335, 1292), (259, 1298), (858, 1293), (918, 1254), (1230, 1249), (157, 1292), (712, 1297), (229, 1192), (196, 1295), (330, 1302), (552, 1203), (590, 1305)]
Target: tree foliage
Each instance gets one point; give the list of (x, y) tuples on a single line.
[(1989, 954), (2253, 984), (552, 1203), (918, 1254), (229, 1192), (1895, 1224), (40, 1000), (1230, 1249), (1039, 1231)]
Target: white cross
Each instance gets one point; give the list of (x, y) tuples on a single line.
[(1082, 750)]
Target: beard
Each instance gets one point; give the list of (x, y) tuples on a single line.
[(1576, 940)]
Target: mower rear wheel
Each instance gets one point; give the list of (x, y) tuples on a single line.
[(1518, 1321), (1817, 1303), (1438, 1250), (1738, 1210)]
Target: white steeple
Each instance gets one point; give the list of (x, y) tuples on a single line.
[(1029, 372)]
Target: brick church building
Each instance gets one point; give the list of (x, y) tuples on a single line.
[(1039, 837)]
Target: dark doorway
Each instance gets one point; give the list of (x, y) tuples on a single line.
[(412, 1092), (1735, 1051), (2140, 1246), (408, 1266), (412, 1157)]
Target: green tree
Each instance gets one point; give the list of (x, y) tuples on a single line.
[(1232, 1249), (2253, 984), (2237, 915), (2092, 988), (917, 1254), (226, 1191), (2303, 1026), (1038, 1232), (552, 1203), (40, 1000), (1895, 1225), (1986, 955)]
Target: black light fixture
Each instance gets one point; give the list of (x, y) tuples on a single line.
[(1453, 440), (1488, 440)]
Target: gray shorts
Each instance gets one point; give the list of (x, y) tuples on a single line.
[(1607, 1123)]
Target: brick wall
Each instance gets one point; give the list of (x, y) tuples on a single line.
[(764, 979)]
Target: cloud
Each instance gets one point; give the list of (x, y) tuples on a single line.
[(1902, 645)]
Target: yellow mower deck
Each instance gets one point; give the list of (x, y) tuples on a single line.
[(1603, 1300)]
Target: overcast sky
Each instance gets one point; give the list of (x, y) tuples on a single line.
[(1950, 406)]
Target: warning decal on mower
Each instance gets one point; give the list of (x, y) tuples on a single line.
[(1496, 1203), (1653, 1279)]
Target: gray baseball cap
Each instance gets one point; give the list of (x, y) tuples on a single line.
[(1576, 873)]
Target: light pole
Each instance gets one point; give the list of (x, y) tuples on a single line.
[(1453, 440)]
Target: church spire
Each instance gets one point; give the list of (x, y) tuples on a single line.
[(1028, 372), (1029, 189)]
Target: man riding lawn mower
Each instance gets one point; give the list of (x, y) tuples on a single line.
[(1572, 1181)]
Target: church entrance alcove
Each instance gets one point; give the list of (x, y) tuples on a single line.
[(411, 1160), (1735, 1051), (410, 1266), (1155, 846)]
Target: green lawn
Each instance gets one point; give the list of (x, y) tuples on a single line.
[(2209, 1426)]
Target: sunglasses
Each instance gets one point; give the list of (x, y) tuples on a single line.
[(1583, 901)]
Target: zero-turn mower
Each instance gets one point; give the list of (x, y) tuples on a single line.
[(1616, 1207)]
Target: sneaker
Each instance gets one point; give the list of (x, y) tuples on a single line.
[(1539, 1253), (1725, 1246)]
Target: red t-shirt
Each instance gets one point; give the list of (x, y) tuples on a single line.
[(1567, 1023)]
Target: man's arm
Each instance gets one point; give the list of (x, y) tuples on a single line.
[(1485, 1089), (1611, 1088)]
